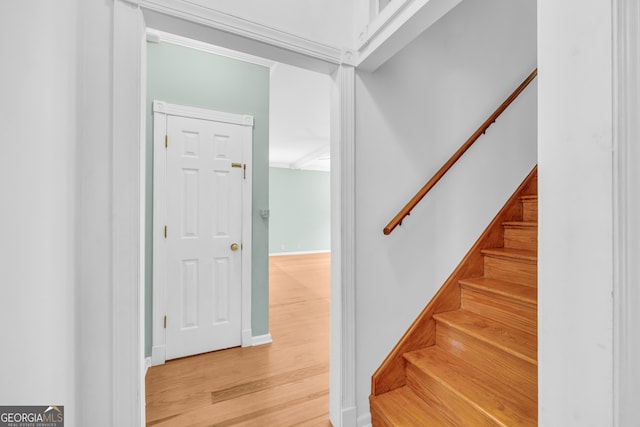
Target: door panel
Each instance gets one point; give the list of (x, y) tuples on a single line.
[(203, 214)]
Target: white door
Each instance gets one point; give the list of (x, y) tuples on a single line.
[(204, 174)]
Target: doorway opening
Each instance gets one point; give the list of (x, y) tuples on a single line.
[(309, 150), (127, 271)]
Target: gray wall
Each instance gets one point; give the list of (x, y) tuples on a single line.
[(300, 205), (411, 115), (179, 75)]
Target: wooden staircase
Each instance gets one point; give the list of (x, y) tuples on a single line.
[(470, 359)]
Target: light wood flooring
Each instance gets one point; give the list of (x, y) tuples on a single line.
[(285, 383)]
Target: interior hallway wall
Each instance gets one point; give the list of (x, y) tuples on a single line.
[(184, 76), (39, 227), (412, 114), (300, 211)]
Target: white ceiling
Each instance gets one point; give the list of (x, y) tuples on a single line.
[(299, 111)]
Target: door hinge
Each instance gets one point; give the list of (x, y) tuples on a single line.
[(165, 322), (241, 165), (166, 141), (165, 231)]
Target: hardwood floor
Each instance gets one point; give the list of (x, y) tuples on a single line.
[(285, 383)]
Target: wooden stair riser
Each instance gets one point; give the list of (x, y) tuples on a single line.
[(521, 272), (530, 209), (500, 364), (508, 311), (378, 418), (521, 237), (460, 409)]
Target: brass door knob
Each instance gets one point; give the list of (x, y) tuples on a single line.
[(234, 246)]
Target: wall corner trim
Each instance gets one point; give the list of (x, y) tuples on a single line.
[(626, 208), (126, 352), (342, 390)]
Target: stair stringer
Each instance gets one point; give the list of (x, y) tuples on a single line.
[(422, 333)]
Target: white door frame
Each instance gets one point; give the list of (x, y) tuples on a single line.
[(128, 205), (626, 210), (161, 110)]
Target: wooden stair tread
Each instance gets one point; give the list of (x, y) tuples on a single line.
[(520, 224), (519, 255), (509, 339), (529, 197), (514, 291), (500, 401), (402, 407)]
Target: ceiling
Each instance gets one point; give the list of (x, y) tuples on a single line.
[(299, 112)]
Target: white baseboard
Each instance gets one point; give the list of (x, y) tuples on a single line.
[(158, 355), (147, 365), (299, 253), (261, 339), (247, 338), (364, 420)]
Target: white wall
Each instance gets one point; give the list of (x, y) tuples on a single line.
[(411, 115), (37, 184), (575, 213), (323, 21)]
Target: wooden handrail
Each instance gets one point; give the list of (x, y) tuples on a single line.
[(397, 220)]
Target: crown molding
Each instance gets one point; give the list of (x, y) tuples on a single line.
[(210, 17)]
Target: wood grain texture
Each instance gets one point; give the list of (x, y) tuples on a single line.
[(502, 366), (391, 373), (469, 394), (402, 407), (530, 208), (285, 383), (511, 265), (496, 335), (508, 303), (521, 235)]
